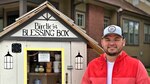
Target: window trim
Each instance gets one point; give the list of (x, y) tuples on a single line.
[(128, 43), (84, 19), (107, 18), (144, 33)]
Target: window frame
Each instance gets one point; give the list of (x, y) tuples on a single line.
[(148, 28), (108, 19), (128, 39), (83, 21), (135, 2)]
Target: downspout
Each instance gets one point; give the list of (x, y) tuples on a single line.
[(119, 11), (118, 19)]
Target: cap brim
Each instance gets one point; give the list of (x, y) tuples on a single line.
[(110, 34)]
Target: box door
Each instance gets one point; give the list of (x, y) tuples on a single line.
[(49, 65), (44, 67), (67, 64)]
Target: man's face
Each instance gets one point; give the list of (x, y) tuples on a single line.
[(112, 44)]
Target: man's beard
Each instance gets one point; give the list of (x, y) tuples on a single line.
[(114, 53)]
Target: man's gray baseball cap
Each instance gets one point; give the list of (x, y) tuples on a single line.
[(112, 29)]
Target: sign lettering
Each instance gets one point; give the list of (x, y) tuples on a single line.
[(45, 29)]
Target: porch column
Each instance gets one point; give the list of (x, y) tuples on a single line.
[(22, 7)]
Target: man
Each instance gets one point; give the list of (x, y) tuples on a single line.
[(115, 66)]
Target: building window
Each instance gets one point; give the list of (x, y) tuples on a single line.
[(148, 1), (106, 21), (135, 2), (80, 19), (131, 32), (147, 33), (11, 19), (12, 16)]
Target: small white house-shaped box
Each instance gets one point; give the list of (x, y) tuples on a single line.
[(45, 47)]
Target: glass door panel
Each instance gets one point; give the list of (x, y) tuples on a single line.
[(44, 67)]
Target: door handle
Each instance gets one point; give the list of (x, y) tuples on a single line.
[(70, 67), (66, 78)]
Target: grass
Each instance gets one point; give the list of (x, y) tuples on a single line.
[(148, 70)]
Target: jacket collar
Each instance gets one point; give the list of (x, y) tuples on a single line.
[(121, 56)]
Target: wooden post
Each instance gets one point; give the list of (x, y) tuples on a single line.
[(22, 7)]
